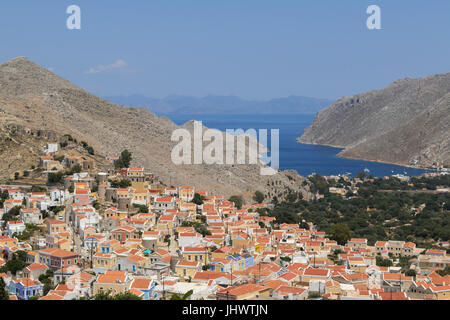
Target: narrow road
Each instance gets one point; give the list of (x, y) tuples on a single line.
[(76, 241)]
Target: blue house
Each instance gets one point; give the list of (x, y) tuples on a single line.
[(25, 288), (248, 260), (147, 287)]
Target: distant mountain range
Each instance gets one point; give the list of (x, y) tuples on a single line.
[(406, 123), (214, 104)]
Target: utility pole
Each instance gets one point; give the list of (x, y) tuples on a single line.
[(164, 291), (259, 271), (91, 250)]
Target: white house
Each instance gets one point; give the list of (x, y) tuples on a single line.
[(51, 148), (15, 194), (15, 227), (31, 216), (59, 196), (189, 239)]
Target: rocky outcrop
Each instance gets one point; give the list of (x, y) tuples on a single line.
[(406, 123)]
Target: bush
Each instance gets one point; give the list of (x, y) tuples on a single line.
[(55, 177)]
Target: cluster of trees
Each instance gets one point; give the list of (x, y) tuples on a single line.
[(4, 195), (30, 229), (55, 177), (142, 208), (87, 147), (4, 295), (12, 214), (108, 295), (124, 183), (444, 272), (16, 263), (46, 280), (372, 214)]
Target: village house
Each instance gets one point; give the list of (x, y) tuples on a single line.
[(112, 281), (55, 258)]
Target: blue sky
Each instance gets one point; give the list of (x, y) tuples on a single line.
[(256, 49)]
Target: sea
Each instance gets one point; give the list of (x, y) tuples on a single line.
[(305, 159)]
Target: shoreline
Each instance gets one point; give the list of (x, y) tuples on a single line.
[(368, 160)]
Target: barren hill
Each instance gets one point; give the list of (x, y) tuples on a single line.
[(36, 99), (406, 123)]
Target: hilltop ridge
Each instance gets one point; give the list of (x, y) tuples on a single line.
[(406, 123), (36, 99)]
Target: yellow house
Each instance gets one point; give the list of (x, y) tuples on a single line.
[(136, 173), (312, 274), (357, 243), (123, 193), (103, 262), (196, 254), (56, 226), (186, 269), (441, 292), (428, 262), (114, 281), (140, 196), (312, 246), (356, 264)]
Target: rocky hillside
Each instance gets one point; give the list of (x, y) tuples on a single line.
[(36, 99), (406, 123)]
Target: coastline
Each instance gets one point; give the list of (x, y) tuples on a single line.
[(365, 159)]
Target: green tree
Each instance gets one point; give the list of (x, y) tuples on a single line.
[(124, 160), (341, 233), (238, 201), (183, 297), (103, 295), (17, 263), (258, 196), (411, 273), (198, 199), (126, 296), (3, 293), (75, 169), (383, 262), (142, 208)]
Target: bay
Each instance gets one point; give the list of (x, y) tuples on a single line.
[(305, 159)]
